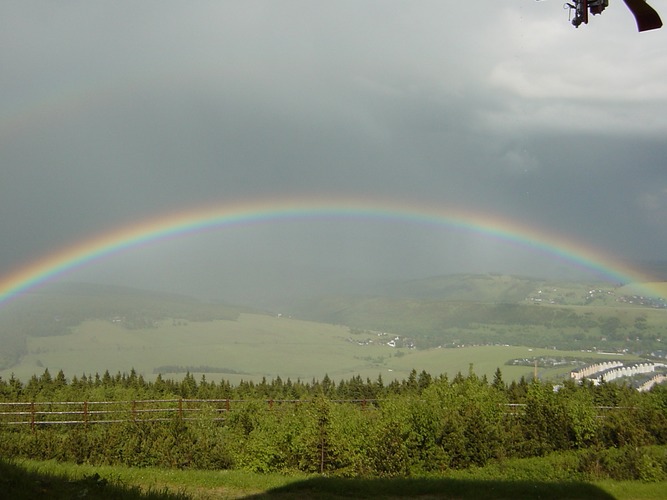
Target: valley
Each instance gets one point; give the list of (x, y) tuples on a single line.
[(442, 325)]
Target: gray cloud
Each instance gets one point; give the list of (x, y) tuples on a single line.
[(113, 113)]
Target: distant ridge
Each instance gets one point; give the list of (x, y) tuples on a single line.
[(403, 318), (465, 287), (55, 309)]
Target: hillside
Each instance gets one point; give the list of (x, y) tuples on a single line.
[(54, 310), (90, 328), (465, 287), (501, 309)]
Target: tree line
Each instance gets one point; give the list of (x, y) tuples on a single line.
[(422, 424), (132, 385)]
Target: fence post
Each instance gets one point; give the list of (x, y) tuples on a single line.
[(32, 415), (134, 411), (85, 413), (180, 408)]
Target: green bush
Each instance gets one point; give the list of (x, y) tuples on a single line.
[(625, 464), (420, 426)]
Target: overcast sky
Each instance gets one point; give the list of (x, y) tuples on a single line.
[(111, 112)]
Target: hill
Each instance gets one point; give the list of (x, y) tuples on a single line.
[(465, 287), (55, 309), (500, 309), (91, 328)]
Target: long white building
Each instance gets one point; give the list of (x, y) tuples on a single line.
[(612, 370), (588, 371)]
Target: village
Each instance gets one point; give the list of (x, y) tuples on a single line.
[(558, 296), (381, 338), (642, 375)]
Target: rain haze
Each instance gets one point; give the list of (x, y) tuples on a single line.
[(113, 113)]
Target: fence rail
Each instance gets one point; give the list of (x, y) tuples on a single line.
[(43, 413), (46, 413)]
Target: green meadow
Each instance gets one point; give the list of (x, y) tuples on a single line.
[(439, 325), (527, 478), (257, 345)]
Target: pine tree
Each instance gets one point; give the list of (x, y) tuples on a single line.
[(498, 382)]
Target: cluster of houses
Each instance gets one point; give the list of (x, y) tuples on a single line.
[(556, 296), (658, 303), (394, 341), (611, 370)]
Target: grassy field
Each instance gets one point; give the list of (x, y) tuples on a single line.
[(88, 329), (604, 323), (27, 479), (256, 346)]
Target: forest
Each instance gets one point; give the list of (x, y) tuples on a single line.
[(424, 424)]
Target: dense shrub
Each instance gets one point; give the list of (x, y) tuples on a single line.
[(625, 464), (421, 425)]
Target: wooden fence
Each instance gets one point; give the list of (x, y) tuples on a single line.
[(42, 413), (38, 413)]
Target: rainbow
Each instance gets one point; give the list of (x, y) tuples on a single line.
[(263, 212)]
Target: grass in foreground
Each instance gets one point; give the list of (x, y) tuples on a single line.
[(21, 481), (26, 479), (334, 489)]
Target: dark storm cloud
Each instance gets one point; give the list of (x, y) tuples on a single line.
[(113, 113)]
